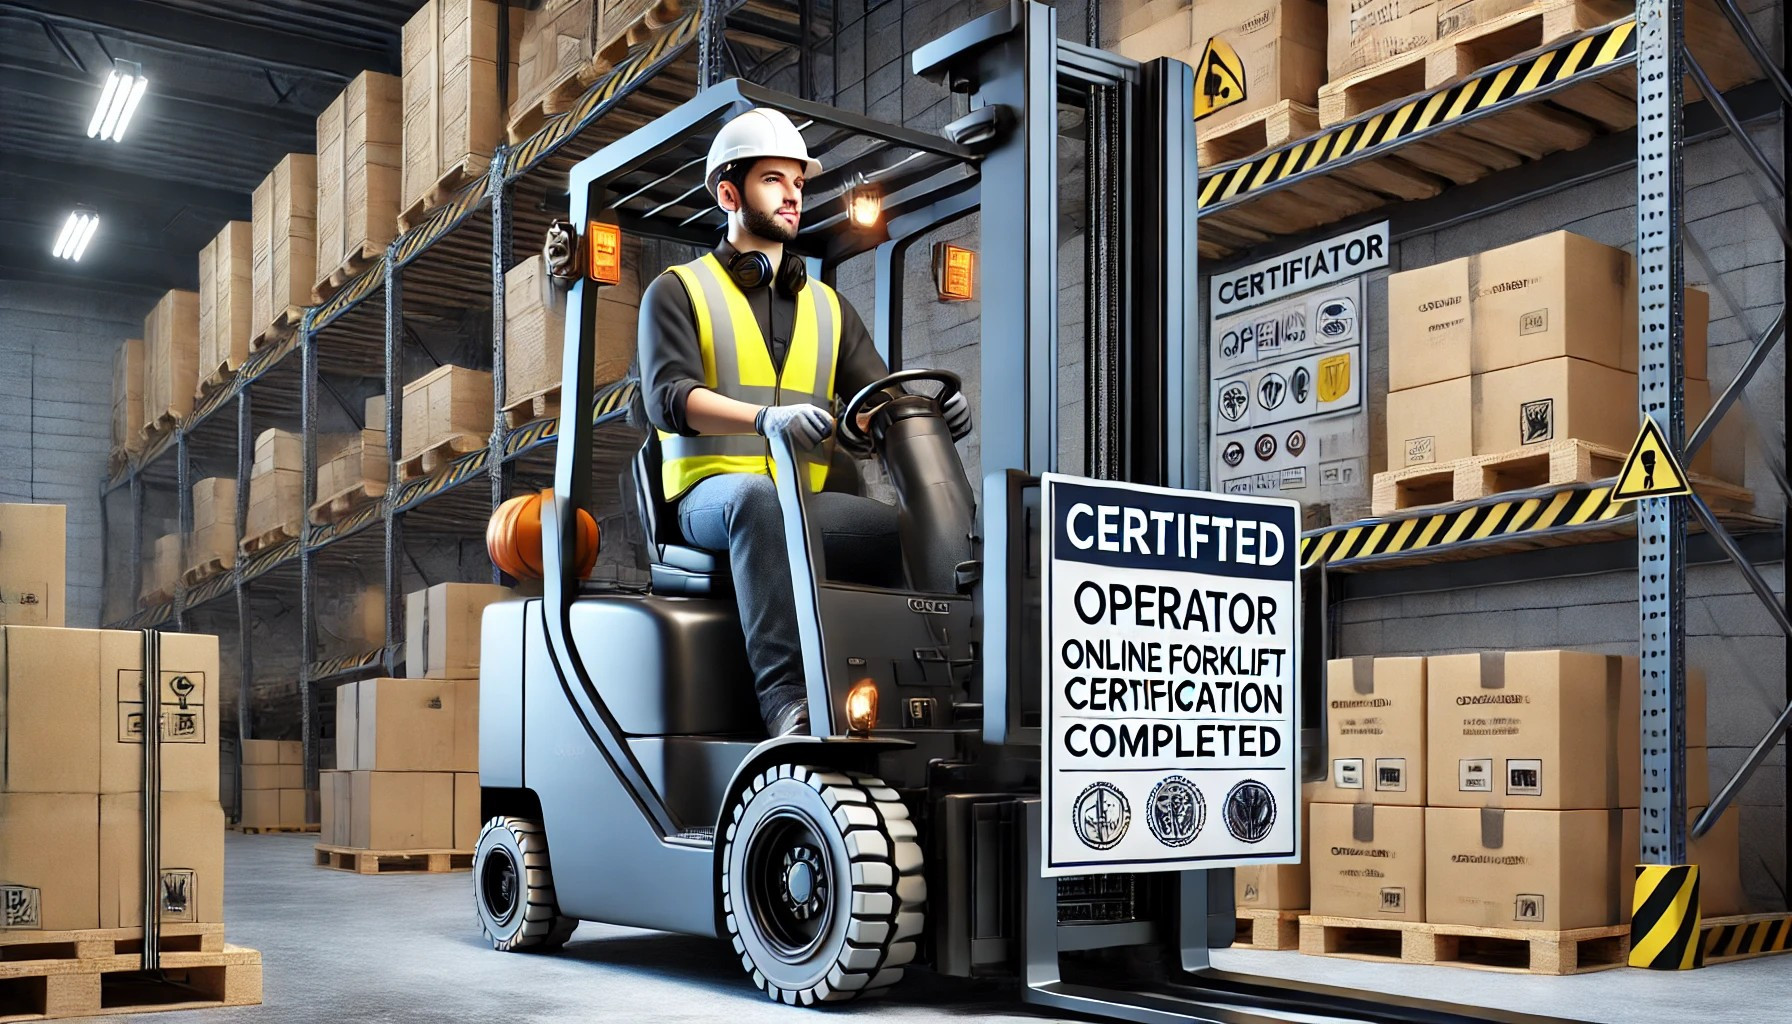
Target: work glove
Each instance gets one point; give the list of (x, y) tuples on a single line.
[(958, 416), (805, 426)]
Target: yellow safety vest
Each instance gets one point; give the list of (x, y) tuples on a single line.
[(737, 363)]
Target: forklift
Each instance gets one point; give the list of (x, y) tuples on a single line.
[(626, 774)]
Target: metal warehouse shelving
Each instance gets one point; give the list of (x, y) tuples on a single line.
[(454, 259)]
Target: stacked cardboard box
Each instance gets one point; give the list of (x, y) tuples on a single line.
[(558, 42), (127, 401), (33, 565), (276, 485), (1362, 33), (161, 575), (450, 402), (452, 115), (360, 138), (284, 234), (71, 824), (170, 359), (361, 461), (535, 328), (274, 794), (224, 303), (1522, 345), (1280, 45), (214, 523)]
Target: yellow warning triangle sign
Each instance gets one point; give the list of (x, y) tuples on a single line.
[(1650, 471), (1219, 78)]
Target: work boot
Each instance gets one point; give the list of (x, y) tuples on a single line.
[(794, 719)]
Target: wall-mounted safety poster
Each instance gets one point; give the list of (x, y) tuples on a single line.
[(1288, 395), (1172, 638)]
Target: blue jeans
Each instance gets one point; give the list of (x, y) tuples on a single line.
[(738, 513)]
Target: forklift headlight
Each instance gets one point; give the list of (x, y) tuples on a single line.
[(861, 707)]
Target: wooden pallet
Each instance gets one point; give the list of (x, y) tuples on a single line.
[(1745, 936), (1513, 950), (92, 943), (340, 504), (539, 406), (1462, 54), (452, 180), (1268, 929), (1218, 140), (271, 538), (156, 429), (1550, 464), (151, 598), (262, 830), (219, 378), (207, 569), (113, 984), (382, 862), (438, 454), (285, 325), (557, 97), (352, 266)]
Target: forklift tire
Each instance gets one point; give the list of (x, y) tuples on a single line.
[(513, 888), (822, 885)]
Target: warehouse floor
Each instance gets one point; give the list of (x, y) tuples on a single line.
[(402, 949)]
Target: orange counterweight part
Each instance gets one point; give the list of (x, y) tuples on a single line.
[(513, 538)]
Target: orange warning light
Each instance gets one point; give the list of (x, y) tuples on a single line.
[(604, 243), (955, 272)]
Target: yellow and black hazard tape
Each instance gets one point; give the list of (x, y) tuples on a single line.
[(349, 296), (446, 218), (344, 528), (210, 590), (1529, 513), (346, 663), (610, 404), (424, 488), (1589, 55), (1748, 938), (1664, 930), (602, 95), (273, 558)]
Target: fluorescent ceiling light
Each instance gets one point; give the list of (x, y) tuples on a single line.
[(71, 244), (124, 89)]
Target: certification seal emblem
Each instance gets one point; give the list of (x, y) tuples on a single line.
[(1101, 815), (1177, 811), (1250, 811)]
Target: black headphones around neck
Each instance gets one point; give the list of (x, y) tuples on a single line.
[(752, 270)]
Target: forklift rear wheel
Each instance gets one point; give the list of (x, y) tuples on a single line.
[(513, 887), (822, 886)]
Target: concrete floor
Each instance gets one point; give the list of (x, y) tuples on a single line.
[(404, 949)]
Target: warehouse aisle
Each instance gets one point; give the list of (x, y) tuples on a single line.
[(404, 950)]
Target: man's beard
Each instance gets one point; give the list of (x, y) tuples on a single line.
[(767, 225)]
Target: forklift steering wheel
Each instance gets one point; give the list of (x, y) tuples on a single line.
[(872, 396)]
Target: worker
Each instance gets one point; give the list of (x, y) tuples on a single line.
[(738, 343)]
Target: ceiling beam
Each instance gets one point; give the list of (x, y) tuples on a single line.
[(217, 35), (91, 179), (64, 85)]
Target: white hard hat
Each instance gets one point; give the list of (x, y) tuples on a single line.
[(760, 132)]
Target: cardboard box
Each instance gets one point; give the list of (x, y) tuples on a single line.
[(360, 463), (447, 402), (1278, 886), (1526, 729), (276, 501), (170, 358), (402, 810), (1431, 424), (192, 860), (1156, 28), (1362, 33), (290, 752), (33, 565), (273, 776), (1553, 400), (278, 450), (1506, 868), (535, 327), (1429, 332), (331, 802), (1554, 295), (49, 861), (1281, 44), (557, 45), (284, 232), (214, 534), (467, 819), (1375, 728), (1718, 853), (261, 752), (275, 808), (360, 141), (348, 727), (1368, 861), (225, 301), (442, 629), (1630, 736), (127, 399), (452, 115), (406, 725), (164, 567)]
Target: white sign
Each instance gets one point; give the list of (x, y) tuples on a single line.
[(1318, 264), (1172, 640)]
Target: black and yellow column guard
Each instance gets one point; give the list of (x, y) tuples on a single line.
[(1664, 928)]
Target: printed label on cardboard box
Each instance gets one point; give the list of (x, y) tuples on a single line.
[(1537, 421), (21, 906), (1393, 900), (1475, 775), (176, 896), (1348, 771), (183, 707), (1390, 774), (1524, 776), (1528, 907), (1421, 451)]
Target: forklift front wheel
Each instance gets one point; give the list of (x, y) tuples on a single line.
[(822, 886), (513, 887)]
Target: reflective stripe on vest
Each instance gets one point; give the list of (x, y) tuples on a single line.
[(737, 363)]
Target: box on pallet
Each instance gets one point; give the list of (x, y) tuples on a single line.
[(1558, 294), (275, 808), (273, 776), (415, 725), (127, 399), (332, 802), (1367, 861), (558, 41), (1375, 722), (401, 810), (1496, 867), (1365, 32), (1280, 43), (1278, 886), (273, 752), (448, 402), (284, 234), (1718, 853), (1429, 334), (214, 523), (191, 888), (452, 116), (33, 565), (360, 138), (535, 327), (50, 860), (165, 565), (1431, 424), (442, 629), (170, 359), (225, 301)]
